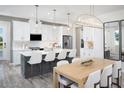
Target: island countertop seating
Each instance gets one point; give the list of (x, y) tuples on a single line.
[(77, 72), (26, 68)]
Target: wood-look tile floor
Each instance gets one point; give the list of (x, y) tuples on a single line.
[(10, 77)]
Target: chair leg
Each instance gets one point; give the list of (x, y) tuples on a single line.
[(50, 66), (109, 77), (31, 71), (108, 80), (40, 69), (118, 79)]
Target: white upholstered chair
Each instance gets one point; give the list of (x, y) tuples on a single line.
[(76, 60), (93, 80), (62, 80), (36, 58), (106, 77), (117, 74)]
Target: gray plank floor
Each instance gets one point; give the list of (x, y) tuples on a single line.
[(10, 77)]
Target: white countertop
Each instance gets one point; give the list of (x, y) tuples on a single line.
[(28, 53)]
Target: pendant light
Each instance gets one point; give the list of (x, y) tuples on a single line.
[(68, 15), (90, 20), (36, 17), (54, 18)]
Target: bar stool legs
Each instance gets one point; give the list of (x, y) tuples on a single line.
[(40, 69), (31, 71)]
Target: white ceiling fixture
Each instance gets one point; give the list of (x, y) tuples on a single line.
[(90, 20)]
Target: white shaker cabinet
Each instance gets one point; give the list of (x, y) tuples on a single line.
[(21, 31), (17, 56)]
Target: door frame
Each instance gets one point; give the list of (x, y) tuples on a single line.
[(6, 52), (120, 39)]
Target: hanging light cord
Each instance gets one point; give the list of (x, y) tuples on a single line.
[(68, 14), (92, 10), (36, 13), (54, 14)]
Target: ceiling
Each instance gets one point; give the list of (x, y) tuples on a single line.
[(45, 11)]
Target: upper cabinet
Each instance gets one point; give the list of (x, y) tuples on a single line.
[(21, 31)]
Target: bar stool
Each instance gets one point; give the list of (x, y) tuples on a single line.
[(117, 73), (71, 55), (106, 77), (36, 58), (62, 55), (62, 80), (50, 57), (93, 80)]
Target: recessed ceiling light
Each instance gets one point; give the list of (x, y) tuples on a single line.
[(48, 13)]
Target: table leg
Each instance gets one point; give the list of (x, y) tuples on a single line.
[(80, 85), (55, 79)]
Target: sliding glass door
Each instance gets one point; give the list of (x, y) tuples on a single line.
[(122, 40), (4, 40), (1, 42), (112, 40)]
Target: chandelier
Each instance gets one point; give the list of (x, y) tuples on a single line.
[(90, 20)]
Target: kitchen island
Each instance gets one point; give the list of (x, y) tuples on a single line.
[(38, 69)]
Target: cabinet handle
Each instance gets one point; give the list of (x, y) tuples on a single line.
[(4, 45)]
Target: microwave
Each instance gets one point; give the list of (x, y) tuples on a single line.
[(35, 37)]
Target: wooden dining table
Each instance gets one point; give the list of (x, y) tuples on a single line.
[(78, 72)]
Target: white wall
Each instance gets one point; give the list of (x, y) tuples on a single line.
[(96, 36), (123, 36), (98, 42)]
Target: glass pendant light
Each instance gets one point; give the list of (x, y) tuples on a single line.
[(36, 18), (54, 18), (90, 20)]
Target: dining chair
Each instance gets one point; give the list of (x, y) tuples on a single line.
[(106, 77), (49, 60), (62, 80), (93, 80), (76, 60), (72, 53), (36, 58), (117, 74)]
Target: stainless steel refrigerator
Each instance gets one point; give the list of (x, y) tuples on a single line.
[(67, 42)]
